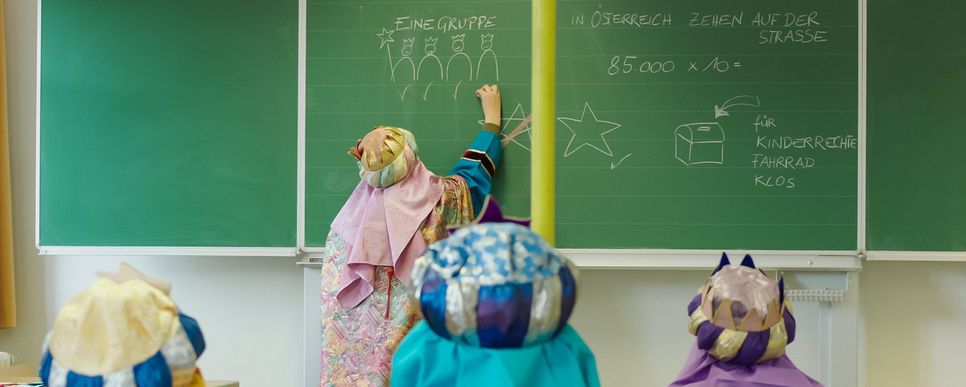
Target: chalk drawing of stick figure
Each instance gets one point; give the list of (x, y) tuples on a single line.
[(486, 43), (458, 53), (430, 49), (407, 51)]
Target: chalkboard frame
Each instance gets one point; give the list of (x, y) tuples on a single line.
[(230, 251), (914, 255), (834, 260), (590, 258)]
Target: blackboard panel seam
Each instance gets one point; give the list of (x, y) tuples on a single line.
[(300, 123), (862, 177)]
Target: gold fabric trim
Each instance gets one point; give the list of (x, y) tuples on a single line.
[(776, 342), (381, 147), (728, 344), (697, 318)]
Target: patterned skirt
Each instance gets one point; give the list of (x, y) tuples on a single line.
[(358, 344)]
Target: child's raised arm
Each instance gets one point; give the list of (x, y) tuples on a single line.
[(478, 164)]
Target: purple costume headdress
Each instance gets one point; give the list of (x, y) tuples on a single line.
[(740, 316), (742, 322)]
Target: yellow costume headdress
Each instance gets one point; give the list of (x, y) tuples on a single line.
[(127, 333)]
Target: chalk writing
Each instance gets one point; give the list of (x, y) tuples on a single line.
[(444, 23), (699, 19), (846, 142), (406, 68), (774, 181), (777, 27), (792, 36), (764, 121), (781, 162), (607, 19), (631, 63), (787, 19)]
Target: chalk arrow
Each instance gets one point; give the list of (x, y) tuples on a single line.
[(741, 100)]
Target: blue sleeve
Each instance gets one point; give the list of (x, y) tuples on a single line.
[(478, 165)]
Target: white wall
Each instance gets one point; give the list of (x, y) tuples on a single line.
[(914, 323)]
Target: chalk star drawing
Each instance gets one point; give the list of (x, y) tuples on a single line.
[(385, 37), (588, 128), (510, 123)]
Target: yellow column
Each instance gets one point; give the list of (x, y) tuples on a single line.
[(8, 300), (543, 106)]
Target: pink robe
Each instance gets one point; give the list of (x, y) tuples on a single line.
[(358, 343)]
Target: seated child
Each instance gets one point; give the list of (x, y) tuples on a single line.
[(496, 299), (123, 331), (743, 323)]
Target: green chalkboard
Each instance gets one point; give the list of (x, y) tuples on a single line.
[(350, 87), (915, 132), (698, 124), (168, 123)]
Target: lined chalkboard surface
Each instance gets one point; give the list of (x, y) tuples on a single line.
[(915, 132), (699, 124), (168, 123)]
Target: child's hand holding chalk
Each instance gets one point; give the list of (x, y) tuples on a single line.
[(489, 96)]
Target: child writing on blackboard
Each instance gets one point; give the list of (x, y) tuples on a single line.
[(398, 209)]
